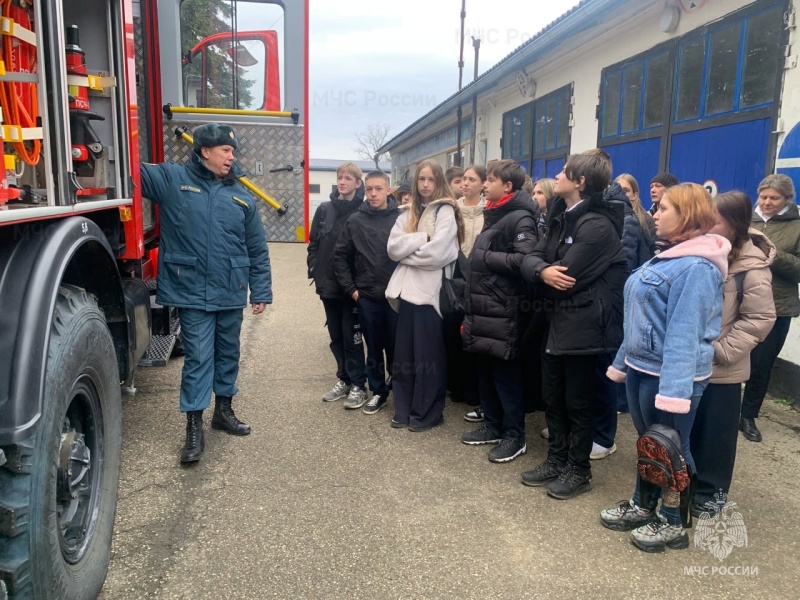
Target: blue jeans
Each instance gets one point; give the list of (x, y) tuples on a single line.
[(642, 389), (379, 326)]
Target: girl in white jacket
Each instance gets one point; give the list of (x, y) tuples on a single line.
[(425, 239)]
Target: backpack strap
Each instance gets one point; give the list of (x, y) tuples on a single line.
[(459, 266), (739, 279)]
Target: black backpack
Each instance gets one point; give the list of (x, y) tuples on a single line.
[(453, 292)]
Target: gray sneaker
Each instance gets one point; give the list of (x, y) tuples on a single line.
[(339, 391), (657, 536), (626, 516), (356, 398)]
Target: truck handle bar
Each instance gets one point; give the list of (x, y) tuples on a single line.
[(170, 110), (183, 133)]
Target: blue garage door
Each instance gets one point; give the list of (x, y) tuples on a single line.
[(734, 156), (554, 166), (714, 121), (639, 159), (547, 168)]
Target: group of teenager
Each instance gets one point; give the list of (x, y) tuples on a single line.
[(578, 302)]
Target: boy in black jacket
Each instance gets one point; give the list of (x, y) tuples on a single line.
[(363, 269), (498, 312), (580, 271), (341, 311)]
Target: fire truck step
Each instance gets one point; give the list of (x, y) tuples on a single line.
[(161, 346)]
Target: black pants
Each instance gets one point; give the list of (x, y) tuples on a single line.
[(502, 395), (605, 404), (346, 340), (762, 359), (379, 325), (419, 380), (713, 439), (532, 366), (462, 368), (569, 384)]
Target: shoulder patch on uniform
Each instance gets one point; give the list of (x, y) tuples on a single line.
[(240, 201), (189, 188), (520, 237)]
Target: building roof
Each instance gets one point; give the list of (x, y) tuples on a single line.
[(580, 17), (330, 164)]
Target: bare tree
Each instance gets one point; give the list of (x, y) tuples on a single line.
[(370, 140)]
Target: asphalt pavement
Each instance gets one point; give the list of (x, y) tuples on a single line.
[(320, 502)]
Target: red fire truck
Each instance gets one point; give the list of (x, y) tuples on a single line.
[(88, 89)]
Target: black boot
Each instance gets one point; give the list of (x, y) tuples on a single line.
[(194, 437), (225, 420), (749, 429)]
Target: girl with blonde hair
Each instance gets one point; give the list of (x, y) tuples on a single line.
[(424, 241)]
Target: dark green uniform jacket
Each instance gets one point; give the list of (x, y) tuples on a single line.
[(784, 231), (212, 241)]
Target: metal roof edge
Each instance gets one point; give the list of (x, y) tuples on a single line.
[(522, 55)]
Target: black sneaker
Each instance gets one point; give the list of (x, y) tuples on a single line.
[(474, 416), (375, 403), (570, 483), (546, 472), (508, 449), (482, 435)]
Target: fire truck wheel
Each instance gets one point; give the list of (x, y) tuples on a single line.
[(64, 480)]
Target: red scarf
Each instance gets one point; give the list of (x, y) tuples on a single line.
[(491, 205)]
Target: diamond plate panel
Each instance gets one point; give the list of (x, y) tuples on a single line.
[(275, 145), (141, 95)]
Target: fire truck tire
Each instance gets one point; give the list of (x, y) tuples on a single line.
[(58, 491)]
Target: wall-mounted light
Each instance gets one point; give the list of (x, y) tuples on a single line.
[(669, 19)]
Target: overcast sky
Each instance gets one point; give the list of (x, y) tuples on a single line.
[(386, 61)]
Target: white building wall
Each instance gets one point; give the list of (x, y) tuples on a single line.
[(325, 179), (790, 116)]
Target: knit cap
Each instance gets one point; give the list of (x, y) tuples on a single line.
[(665, 179)]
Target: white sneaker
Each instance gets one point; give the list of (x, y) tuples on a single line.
[(599, 452), (545, 433)]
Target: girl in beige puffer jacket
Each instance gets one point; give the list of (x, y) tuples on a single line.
[(748, 313)]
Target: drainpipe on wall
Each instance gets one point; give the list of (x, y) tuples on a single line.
[(457, 161), (476, 43)]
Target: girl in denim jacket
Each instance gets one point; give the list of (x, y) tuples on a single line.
[(673, 310)]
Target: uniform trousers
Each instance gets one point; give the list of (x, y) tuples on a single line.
[(211, 339)]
